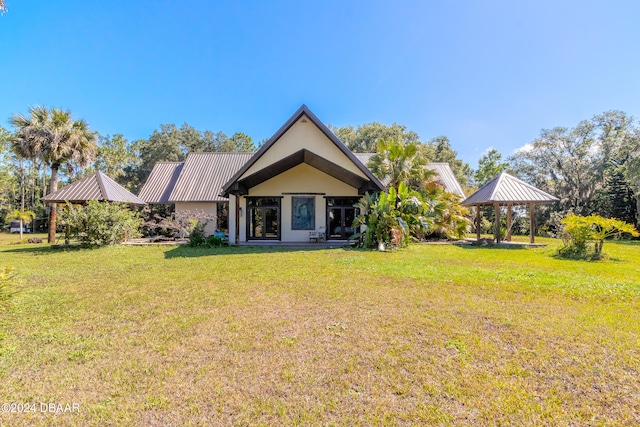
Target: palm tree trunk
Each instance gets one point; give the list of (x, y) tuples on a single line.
[(52, 206)]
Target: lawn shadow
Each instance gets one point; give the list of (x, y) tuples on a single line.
[(185, 251), (507, 246), (44, 249)]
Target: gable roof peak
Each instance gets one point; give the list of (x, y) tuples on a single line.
[(303, 110)]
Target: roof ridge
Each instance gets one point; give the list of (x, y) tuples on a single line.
[(499, 179), (103, 188), (527, 184)]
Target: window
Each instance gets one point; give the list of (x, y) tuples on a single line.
[(303, 213)]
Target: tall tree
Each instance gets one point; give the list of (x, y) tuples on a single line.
[(396, 162), (8, 179), (52, 136), (439, 150), (564, 162), (365, 138), (586, 166), (631, 169), (192, 140), (114, 156), (490, 165), (239, 143)]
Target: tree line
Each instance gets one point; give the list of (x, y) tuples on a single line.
[(593, 167), (48, 145)]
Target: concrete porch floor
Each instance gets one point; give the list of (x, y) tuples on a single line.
[(319, 245)]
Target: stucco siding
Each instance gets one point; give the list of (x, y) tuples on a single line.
[(209, 208), (302, 179), (303, 135)]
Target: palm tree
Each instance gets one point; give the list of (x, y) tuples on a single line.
[(396, 162), (53, 137), (25, 217)]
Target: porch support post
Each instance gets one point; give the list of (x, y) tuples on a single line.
[(478, 223), (532, 223), (496, 230), (508, 238), (237, 225)]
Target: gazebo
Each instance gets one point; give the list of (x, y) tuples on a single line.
[(96, 186), (507, 190)]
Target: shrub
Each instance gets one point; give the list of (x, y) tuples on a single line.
[(184, 223), (216, 242), (196, 240), (101, 223), (580, 231)]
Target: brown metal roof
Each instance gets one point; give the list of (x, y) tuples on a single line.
[(508, 189), (204, 174), (161, 181), (96, 186), (303, 110)]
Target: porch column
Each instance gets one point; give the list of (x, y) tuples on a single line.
[(496, 230), (508, 238), (477, 223), (532, 223), (237, 224)]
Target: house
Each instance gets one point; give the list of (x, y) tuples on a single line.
[(301, 179)]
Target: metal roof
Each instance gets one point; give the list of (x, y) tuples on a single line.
[(303, 110), (204, 174), (364, 157), (96, 186), (161, 181), (447, 177), (508, 189)]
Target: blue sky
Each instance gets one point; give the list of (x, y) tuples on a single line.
[(484, 73)]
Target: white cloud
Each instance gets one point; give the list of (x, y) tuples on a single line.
[(524, 149), (486, 151)]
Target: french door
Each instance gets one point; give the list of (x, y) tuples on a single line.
[(263, 218), (340, 216)]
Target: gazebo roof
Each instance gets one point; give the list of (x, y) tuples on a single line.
[(96, 186), (505, 189)]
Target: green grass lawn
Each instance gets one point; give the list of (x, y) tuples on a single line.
[(429, 335)]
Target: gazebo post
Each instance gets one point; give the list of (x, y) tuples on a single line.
[(478, 223), (496, 207), (532, 223), (508, 239)]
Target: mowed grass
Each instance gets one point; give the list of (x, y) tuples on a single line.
[(429, 335)]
